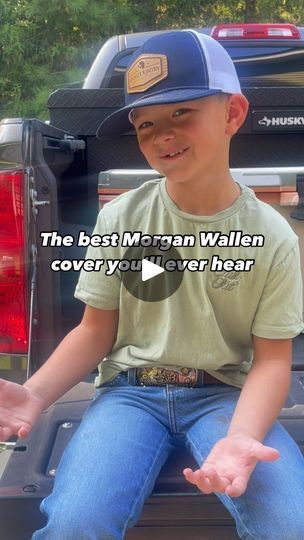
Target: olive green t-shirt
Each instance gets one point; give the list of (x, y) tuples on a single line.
[(209, 321)]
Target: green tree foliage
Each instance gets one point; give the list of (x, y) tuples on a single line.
[(47, 44), (186, 13), (281, 11)]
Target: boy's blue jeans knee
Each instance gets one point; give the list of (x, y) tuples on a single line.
[(110, 466)]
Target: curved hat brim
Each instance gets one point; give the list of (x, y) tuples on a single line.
[(118, 122)]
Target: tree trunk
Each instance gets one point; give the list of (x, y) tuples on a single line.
[(250, 11)]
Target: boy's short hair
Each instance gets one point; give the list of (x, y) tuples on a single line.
[(173, 67)]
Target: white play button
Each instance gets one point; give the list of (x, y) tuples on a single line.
[(139, 282), (150, 270)]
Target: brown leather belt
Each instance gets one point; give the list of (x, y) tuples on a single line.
[(159, 376)]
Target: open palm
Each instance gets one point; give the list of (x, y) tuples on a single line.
[(19, 410), (229, 465)]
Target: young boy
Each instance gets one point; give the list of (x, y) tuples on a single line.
[(208, 365)]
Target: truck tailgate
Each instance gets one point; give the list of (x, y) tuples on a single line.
[(176, 509)]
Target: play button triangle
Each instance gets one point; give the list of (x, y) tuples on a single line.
[(139, 282), (150, 270)]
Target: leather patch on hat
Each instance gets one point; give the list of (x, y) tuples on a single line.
[(147, 70)]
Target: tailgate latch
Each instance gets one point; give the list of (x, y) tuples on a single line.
[(35, 203)]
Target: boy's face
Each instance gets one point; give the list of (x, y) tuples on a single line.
[(185, 141)]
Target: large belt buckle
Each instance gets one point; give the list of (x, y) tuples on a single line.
[(158, 376)]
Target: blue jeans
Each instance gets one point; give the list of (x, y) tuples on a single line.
[(110, 466)]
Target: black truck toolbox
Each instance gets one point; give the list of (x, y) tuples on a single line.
[(272, 135), (176, 509)]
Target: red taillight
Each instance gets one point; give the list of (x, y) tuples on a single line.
[(13, 283), (255, 31)]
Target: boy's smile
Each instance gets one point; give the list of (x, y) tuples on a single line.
[(174, 155)]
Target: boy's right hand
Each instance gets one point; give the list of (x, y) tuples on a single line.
[(20, 408)]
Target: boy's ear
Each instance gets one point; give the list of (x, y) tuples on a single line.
[(237, 108)]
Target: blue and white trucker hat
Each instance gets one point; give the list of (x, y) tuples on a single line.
[(170, 68)]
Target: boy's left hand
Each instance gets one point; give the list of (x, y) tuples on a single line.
[(229, 465)]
